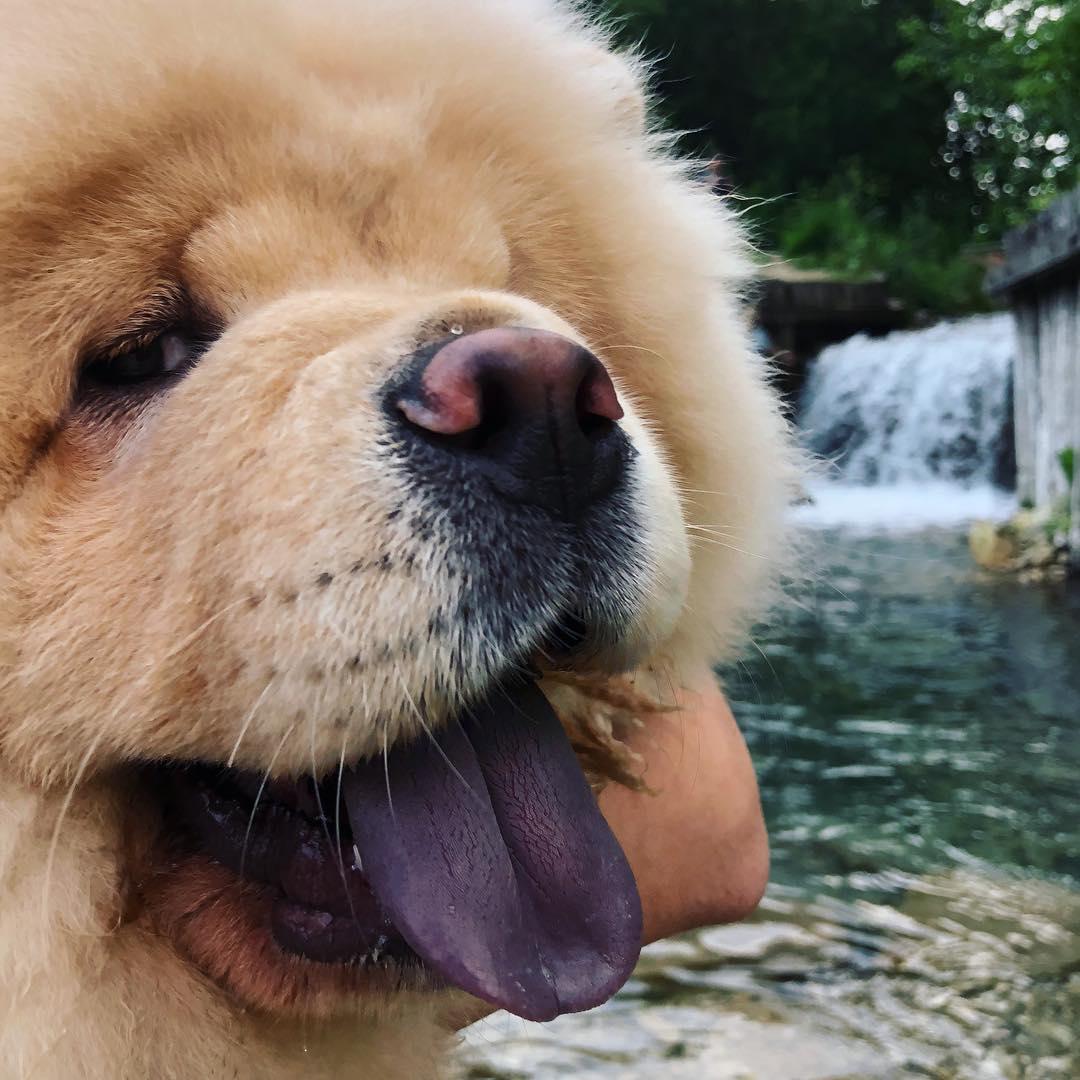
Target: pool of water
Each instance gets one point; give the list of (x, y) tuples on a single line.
[(916, 728)]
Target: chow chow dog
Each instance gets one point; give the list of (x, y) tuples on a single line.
[(377, 428)]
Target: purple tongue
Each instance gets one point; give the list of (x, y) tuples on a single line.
[(490, 855)]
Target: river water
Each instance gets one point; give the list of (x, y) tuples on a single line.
[(915, 726), (915, 722)]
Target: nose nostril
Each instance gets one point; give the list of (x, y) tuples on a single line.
[(597, 403), (594, 427), (470, 429), (463, 441), (495, 415)]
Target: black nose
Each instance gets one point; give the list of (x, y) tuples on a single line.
[(533, 411)]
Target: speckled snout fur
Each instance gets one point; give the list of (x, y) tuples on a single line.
[(251, 566)]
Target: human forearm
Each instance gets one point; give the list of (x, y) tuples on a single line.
[(697, 843)]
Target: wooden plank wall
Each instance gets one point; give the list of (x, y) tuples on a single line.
[(1042, 279), (1047, 389)]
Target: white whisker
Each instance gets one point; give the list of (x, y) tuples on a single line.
[(64, 807), (258, 795), (434, 742), (201, 628), (247, 722), (337, 826), (334, 844), (731, 547), (386, 775)]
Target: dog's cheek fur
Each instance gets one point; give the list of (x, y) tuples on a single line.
[(199, 557)]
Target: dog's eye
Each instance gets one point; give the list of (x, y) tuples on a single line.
[(164, 357)]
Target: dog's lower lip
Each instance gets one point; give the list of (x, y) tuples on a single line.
[(323, 908), (328, 938)]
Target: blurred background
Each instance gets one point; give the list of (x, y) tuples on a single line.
[(910, 170)]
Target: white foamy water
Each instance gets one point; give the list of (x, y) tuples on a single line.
[(915, 426), (902, 506)]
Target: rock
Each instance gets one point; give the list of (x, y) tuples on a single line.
[(1041, 552), (994, 546), (1029, 545)]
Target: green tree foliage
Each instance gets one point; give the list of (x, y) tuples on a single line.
[(1014, 116), (876, 136)]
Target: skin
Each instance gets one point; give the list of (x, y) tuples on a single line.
[(696, 840)]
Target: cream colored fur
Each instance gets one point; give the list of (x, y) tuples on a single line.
[(335, 179)]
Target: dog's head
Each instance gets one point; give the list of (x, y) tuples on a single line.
[(359, 366)]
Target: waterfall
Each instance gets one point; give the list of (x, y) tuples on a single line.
[(916, 426)]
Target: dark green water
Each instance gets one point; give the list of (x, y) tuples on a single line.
[(916, 727)]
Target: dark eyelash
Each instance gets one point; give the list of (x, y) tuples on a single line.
[(128, 343), (202, 335)]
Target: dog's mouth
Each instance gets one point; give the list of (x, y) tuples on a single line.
[(478, 853)]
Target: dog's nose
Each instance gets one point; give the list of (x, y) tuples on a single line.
[(533, 411)]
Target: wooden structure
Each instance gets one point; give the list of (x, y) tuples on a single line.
[(802, 311), (1041, 278)]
